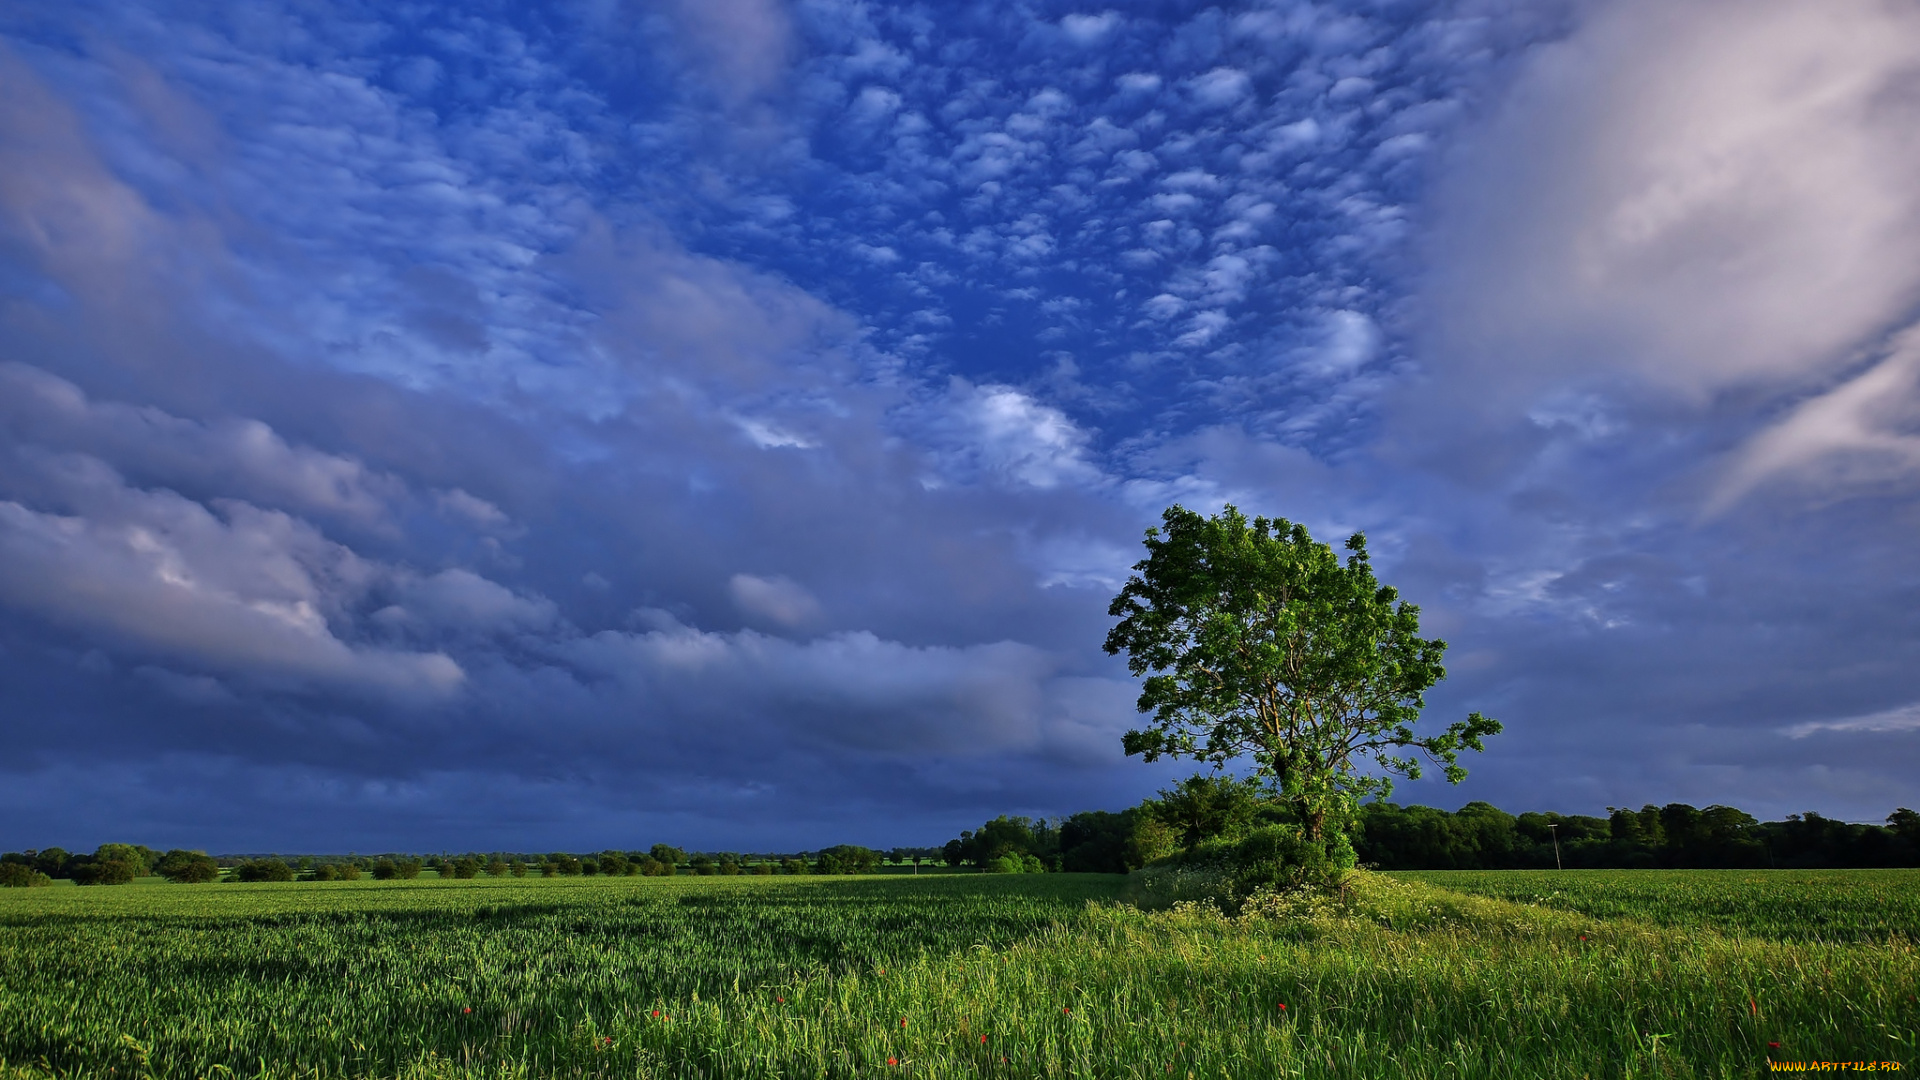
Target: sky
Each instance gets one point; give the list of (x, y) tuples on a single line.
[(504, 426)]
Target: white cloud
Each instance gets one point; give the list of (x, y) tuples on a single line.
[(999, 433), (1696, 197), (851, 690), (1089, 29), (1220, 88), (782, 600), (1904, 718), (245, 592), (238, 456)]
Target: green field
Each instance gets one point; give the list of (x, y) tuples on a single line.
[(1635, 974)]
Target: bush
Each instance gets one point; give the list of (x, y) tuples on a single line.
[(793, 866), (386, 870), (15, 875), (846, 859), (463, 868), (188, 867), (348, 871), (324, 872), (498, 868), (590, 867), (518, 869), (761, 869), (106, 872), (265, 870), (1227, 873)]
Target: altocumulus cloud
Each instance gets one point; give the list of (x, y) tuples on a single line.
[(726, 422)]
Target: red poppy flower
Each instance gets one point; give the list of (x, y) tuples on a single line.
[(656, 1014), (468, 1009), (1283, 1006), (903, 1021), (1068, 1011), (983, 1040), (782, 1001), (893, 1061), (1773, 1046)]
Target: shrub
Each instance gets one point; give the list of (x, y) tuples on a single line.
[(518, 869), (762, 869), (265, 870), (793, 866), (104, 872), (1227, 873), (463, 867), (386, 870), (324, 872), (15, 875), (348, 871), (652, 867), (589, 867), (498, 868), (408, 868), (188, 867)]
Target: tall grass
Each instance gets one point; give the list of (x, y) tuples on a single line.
[(948, 977)]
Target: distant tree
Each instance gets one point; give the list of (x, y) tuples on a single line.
[(793, 866), (51, 861), (264, 870), (385, 870), (762, 868), (568, 865), (348, 871), (590, 867), (188, 867), (668, 854), (955, 853), (137, 856), (463, 867), (21, 875), (613, 863), (324, 872), (846, 859), (497, 867), (93, 871), (703, 865), (1255, 640), (1204, 807)]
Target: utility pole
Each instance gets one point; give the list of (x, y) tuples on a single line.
[(1553, 830)]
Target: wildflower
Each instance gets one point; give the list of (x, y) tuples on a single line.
[(780, 1000), (1773, 1046), (656, 1014), (468, 1009), (1067, 1010), (893, 1061), (1283, 1006), (983, 1040), (903, 1021), (1753, 1006)]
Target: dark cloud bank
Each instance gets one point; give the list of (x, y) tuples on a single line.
[(726, 423)]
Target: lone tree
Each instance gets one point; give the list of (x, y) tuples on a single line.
[(1256, 640)]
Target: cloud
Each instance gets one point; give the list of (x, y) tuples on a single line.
[(1685, 201), (242, 591), (1904, 718), (1001, 434), (243, 457), (1854, 437), (780, 600)]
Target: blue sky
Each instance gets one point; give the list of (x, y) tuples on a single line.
[(725, 422)]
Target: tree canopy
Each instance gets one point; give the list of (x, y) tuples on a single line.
[(1256, 640)]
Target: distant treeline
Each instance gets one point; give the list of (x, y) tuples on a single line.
[(118, 864), (1478, 836)]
